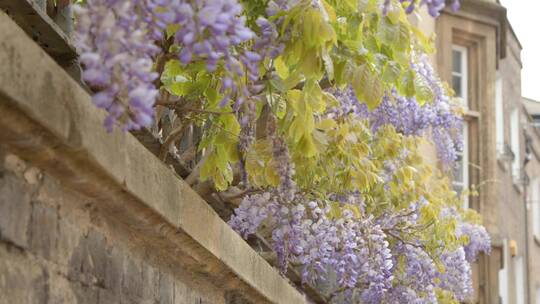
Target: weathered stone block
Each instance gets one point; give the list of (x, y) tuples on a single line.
[(114, 270), (85, 294), (21, 281), (106, 296), (60, 291), (15, 209), (43, 230), (68, 238), (234, 297), (132, 282), (166, 289), (94, 261), (150, 277)]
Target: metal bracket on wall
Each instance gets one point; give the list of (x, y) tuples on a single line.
[(31, 16)]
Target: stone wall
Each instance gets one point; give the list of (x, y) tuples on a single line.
[(511, 200), (55, 247)]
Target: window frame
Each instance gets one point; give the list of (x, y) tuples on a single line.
[(464, 166), (464, 84), (515, 142), (499, 114), (535, 206), (519, 279), (503, 275), (464, 79)]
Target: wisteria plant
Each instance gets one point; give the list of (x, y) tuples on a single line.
[(311, 114)]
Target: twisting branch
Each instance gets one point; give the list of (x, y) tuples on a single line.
[(390, 233), (205, 111), (175, 135)]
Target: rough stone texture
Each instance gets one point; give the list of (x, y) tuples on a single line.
[(92, 217), (15, 201), (67, 256)]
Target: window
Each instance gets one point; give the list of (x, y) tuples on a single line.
[(503, 275), (520, 286), (535, 203), (460, 86), (459, 73), (499, 114), (514, 132), (460, 180)]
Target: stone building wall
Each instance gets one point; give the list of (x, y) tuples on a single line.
[(494, 51), (475, 28), (511, 202), (533, 171)]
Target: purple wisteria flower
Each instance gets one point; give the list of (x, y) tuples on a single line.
[(117, 53), (118, 41), (356, 250), (478, 240), (438, 117), (457, 275), (434, 7)]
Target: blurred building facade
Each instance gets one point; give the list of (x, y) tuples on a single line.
[(478, 55)]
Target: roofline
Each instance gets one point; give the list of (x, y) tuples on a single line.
[(493, 11)]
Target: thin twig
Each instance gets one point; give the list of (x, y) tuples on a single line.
[(242, 194), (205, 111)]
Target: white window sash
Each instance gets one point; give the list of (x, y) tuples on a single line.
[(464, 73), (520, 285), (499, 113), (503, 275), (515, 132), (535, 204)]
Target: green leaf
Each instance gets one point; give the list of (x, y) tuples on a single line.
[(310, 65), (366, 5), (314, 95), (408, 87), (391, 72), (294, 97), (340, 68), (403, 39), (175, 79), (394, 13), (387, 32), (422, 89), (328, 64), (311, 23), (292, 81), (367, 86), (281, 68), (171, 30)]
